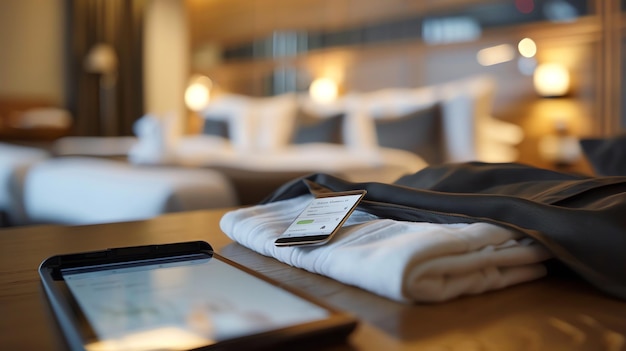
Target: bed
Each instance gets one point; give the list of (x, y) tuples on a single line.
[(365, 136)]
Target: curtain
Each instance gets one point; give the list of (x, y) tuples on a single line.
[(104, 103)]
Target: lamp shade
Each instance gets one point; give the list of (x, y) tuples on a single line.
[(102, 59), (198, 92), (551, 80)]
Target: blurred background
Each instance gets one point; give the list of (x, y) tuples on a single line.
[(96, 66)]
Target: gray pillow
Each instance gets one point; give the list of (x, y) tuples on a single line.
[(420, 132), (314, 129), (607, 156), (216, 127)]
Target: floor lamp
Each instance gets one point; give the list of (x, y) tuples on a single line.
[(101, 59)]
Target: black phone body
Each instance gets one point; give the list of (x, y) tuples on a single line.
[(179, 296), (321, 218)]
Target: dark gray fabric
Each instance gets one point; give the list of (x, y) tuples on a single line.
[(314, 129), (580, 219), (606, 156), (419, 132)]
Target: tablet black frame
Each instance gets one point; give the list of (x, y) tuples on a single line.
[(333, 329)]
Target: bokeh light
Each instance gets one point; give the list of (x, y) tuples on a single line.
[(198, 93), (323, 90), (527, 47)]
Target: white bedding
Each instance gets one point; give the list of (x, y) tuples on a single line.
[(376, 164)]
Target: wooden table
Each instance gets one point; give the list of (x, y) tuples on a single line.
[(549, 314)]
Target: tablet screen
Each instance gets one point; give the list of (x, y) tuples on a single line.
[(180, 303)]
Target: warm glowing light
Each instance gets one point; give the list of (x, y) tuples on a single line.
[(323, 90), (551, 79), (495, 54), (198, 93), (164, 338), (527, 47), (101, 58)]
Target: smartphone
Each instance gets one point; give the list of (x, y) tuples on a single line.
[(179, 296), (321, 219)]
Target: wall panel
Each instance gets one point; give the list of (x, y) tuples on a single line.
[(581, 45)]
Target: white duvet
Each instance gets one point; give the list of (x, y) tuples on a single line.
[(372, 164)]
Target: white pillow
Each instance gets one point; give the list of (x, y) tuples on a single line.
[(321, 109), (393, 102), (471, 133), (235, 110), (359, 130), (255, 124), (364, 108), (273, 121)]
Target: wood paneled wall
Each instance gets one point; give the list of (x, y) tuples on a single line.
[(237, 21), (580, 45)]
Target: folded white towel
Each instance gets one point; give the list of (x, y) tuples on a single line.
[(403, 261)]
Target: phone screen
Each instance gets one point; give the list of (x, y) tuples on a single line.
[(180, 304), (322, 217)]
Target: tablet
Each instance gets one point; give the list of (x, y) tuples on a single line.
[(179, 296)]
